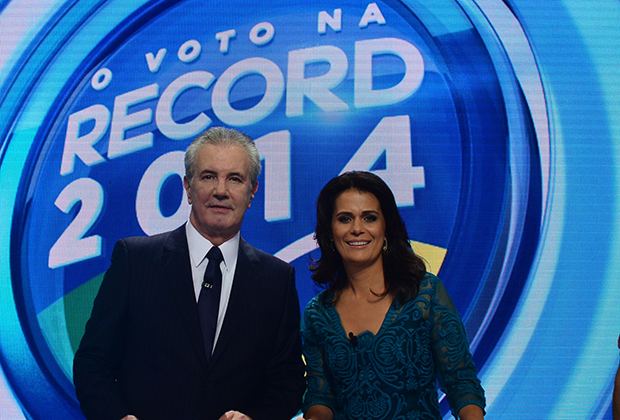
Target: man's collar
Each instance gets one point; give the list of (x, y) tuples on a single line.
[(199, 246)]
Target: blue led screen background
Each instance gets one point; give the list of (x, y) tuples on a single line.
[(495, 123)]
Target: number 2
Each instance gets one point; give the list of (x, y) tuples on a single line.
[(72, 246)]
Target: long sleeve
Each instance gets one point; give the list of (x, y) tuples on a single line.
[(455, 368), (98, 355), (319, 390), (280, 393)]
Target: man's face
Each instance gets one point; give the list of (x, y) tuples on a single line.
[(220, 192)]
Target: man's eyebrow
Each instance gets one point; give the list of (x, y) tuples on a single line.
[(238, 174), (228, 175)]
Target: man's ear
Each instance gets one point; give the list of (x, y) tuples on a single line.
[(254, 189)]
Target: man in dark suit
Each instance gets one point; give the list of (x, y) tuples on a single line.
[(150, 352)]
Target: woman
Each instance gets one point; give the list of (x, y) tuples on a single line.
[(384, 330)]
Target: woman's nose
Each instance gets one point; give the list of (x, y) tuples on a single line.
[(357, 227)]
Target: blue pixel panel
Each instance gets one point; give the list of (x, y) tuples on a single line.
[(494, 123)]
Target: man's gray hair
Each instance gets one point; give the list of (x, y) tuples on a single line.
[(221, 136)]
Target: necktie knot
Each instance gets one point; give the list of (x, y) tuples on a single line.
[(213, 273), (215, 255)]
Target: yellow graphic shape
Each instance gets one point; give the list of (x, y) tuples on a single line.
[(432, 255)]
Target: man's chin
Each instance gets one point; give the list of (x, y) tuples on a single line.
[(223, 228)]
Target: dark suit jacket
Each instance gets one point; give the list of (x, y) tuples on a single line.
[(142, 352)]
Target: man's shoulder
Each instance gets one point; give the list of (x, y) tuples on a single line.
[(171, 238), (262, 256)]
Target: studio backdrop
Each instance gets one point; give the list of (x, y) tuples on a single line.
[(495, 123)]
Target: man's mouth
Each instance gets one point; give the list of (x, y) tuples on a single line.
[(219, 207)]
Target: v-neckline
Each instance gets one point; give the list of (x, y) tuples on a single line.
[(344, 333)]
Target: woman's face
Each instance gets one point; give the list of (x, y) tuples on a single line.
[(358, 229)]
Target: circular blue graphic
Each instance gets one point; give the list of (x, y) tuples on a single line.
[(424, 97)]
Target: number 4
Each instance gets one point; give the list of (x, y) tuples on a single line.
[(391, 136)]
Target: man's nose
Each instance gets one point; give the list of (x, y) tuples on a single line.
[(220, 188)]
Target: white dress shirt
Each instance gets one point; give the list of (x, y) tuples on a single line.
[(199, 246)]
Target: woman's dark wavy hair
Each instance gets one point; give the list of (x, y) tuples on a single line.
[(403, 269)]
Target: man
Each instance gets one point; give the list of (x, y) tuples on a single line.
[(146, 352)]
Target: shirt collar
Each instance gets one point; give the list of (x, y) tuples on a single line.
[(199, 246)]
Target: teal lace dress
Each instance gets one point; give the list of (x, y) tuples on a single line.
[(392, 375)]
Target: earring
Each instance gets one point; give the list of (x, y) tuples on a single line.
[(385, 245), (333, 246)]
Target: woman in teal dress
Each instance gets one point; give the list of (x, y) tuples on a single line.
[(383, 331)]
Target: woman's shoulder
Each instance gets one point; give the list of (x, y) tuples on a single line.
[(433, 290), (319, 302), (430, 288), (317, 316), (426, 290), (429, 281)]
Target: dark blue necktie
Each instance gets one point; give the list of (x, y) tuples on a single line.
[(209, 298)]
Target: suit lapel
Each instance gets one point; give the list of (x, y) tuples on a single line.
[(178, 268), (246, 280)]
